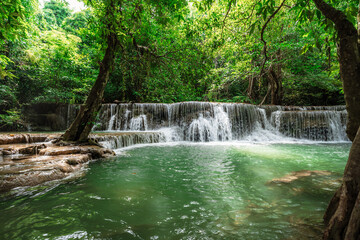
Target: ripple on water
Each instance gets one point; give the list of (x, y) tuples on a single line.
[(185, 192)]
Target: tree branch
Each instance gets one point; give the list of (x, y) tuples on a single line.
[(262, 36), (343, 26), (226, 15), (250, 15)]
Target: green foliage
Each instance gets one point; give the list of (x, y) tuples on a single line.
[(46, 20), (170, 51), (57, 57), (76, 21), (7, 98), (4, 61), (14, 18), (59, 8), (9, 114), (11, 118)]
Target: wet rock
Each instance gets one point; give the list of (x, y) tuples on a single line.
[(95, 151), (32, 149), (77, 160), (21, 138), (30, 178), (66, 168), (39, 163), (298, 174), (101, 153), (72, 161), (8, 152), (63, 150), (34, 170)]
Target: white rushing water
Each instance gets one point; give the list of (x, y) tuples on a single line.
[(207, 122)]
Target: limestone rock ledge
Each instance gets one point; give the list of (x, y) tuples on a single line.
[(32, 159)]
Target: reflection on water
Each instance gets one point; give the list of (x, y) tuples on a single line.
[(201, 191)]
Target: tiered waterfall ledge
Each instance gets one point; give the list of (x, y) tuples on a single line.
[(32, 159), (29, 159)]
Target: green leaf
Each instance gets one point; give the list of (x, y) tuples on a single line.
[(318, 14)]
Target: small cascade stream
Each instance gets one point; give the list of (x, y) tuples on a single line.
[(205, 122)]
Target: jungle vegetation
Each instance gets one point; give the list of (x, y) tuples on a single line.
[(170, 52)]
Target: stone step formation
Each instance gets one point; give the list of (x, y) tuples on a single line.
[(32, 159)]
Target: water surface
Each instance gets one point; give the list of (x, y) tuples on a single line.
[(182, 191)]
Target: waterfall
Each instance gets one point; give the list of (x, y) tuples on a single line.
[(207, 121), (112, 118), (318, 125), (72, 111), (216, 128), (139, 123), (121, 140)]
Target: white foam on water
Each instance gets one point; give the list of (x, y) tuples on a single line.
[(139, 123)]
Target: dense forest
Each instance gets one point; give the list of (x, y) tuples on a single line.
[(171, 51)]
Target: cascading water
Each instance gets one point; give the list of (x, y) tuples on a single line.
[(205, 129), (72, 111), (318, 125), (204, 121), (112, 118), (139, 123), (120, 140)]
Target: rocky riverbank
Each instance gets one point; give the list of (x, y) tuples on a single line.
[(32, 159)]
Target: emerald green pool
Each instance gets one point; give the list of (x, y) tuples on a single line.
[(196, 191)]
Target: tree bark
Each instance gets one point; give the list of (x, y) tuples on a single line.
[(342, 217), (276, 88), (349, 59), (82, 125), (276, 81)]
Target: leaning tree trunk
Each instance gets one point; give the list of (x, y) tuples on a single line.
[(342, 217), (82, 125)]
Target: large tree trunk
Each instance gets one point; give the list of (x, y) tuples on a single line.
[(342, 216), (82, 125), (349, 59)]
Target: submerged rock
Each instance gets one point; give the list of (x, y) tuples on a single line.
[(238, 217), (298, 174)]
